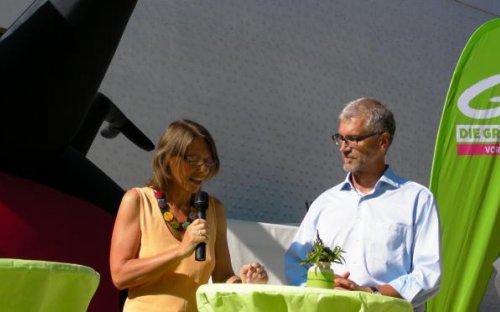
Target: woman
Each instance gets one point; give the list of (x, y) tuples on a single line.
[(156, 230)]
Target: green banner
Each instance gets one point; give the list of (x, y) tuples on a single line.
[(465, 175)]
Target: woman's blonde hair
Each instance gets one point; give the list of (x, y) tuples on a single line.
[(174, 142)]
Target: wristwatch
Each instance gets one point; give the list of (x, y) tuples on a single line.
[(375, 290)]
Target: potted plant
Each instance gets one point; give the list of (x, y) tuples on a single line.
[(320, 274)]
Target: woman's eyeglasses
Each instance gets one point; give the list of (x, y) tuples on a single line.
[(198, 162)]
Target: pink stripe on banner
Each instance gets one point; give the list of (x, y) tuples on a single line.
[(478, 149)]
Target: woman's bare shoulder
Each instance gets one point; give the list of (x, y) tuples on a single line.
[(132, 194), (131, 199)]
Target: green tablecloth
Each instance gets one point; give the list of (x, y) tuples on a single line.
[(32, 285), (278, 298)]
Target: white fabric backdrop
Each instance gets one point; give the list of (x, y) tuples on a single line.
[(263, 242)]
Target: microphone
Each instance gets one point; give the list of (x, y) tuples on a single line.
[(201, 203)]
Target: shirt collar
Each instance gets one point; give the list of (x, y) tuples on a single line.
[(389, 180)]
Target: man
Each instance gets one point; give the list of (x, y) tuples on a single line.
[(388, 226)]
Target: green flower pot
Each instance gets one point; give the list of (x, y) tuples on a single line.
[(320, 275)]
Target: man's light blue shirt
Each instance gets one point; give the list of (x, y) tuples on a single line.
[(391, 236)]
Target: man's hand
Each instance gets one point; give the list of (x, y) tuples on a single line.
[(344, 282)]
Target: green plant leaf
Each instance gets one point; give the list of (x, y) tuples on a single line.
[(322, 253)]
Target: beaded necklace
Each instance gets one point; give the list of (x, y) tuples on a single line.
[(168, 216)]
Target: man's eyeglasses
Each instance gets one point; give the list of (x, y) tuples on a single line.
[(198, 162), (352, 140)]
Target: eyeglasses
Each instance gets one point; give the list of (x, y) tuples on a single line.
[(198, 162), (352, 140)]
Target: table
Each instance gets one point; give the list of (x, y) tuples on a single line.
[(281, 298), (35, 285)]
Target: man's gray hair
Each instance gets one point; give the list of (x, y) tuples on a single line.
[(378, 116)]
